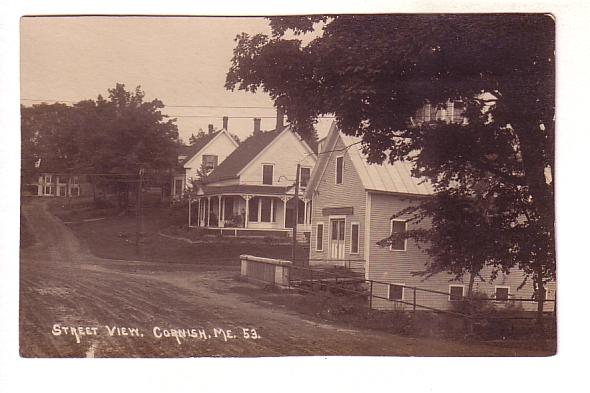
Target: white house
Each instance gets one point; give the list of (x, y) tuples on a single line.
[(209, 151), (251, 192)]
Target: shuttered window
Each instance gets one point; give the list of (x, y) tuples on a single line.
[(398, 227), (267, 174), (319, 237), (354, 238), (339, 168)]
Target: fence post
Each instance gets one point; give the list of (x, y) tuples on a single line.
[(414, 302), (371, 295)]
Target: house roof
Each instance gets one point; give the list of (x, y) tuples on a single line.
[(191, 150), (239, 158), (244, 189), (385, 177)]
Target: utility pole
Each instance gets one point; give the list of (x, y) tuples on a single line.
[(296, 198), (138, 211)]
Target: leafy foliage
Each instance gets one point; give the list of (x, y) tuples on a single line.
[(493, 174)]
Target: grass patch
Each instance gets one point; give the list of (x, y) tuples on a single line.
[(115, 237)]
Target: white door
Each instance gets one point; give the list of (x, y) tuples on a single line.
[(337, 238)]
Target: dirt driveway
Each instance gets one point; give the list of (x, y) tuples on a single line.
[(73, 304)]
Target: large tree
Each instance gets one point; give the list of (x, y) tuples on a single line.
[(114, 136), (374, 72)]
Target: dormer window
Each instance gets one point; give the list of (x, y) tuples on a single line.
[(209, 162), (267, 174)]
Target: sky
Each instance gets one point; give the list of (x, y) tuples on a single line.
[(179, 60)]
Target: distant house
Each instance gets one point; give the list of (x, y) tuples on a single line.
[(63, 185), (251, 192), (207, 153), (353, 202)]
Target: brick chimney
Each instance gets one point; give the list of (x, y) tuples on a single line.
[(256, 125), (280, 118), (225, 119), (211, 129)]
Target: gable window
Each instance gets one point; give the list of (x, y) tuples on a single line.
[(502, 293), (398, 227), (209, 161), (304, 175), (319, 237), (267, 174), (395, 292), (455, 292), (354, 238), (339, 168)]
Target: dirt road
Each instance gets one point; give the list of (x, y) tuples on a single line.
[(73, 304)]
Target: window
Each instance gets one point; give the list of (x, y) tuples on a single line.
[(209, 161), (267, 170), (354, 238), (398, 227), (253, 210), (502, 293), (395, 292), (339, 168), (304, 174), (455, 292), (75, 180), (319, 238)]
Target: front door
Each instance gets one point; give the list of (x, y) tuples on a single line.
[(337, 238)]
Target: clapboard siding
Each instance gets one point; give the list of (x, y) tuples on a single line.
[(329, 194), (397, 266)]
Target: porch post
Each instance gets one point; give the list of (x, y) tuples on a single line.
[(208, 210), (190, 200), (284, 198), (219, 216), (305, 212), (247, 198)]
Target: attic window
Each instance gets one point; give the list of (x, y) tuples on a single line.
[(267, 174), (209, 161), (339, 168), (304, 175)]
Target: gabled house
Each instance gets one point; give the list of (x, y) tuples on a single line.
[(252, 191), (207, 153), (353, 202)]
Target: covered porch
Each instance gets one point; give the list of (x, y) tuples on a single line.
[(249, 209)]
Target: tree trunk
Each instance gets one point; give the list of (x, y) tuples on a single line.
[(540, 302), (470, 304)]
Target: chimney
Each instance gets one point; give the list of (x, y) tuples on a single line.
[(210, 129), (280, 118), (256, 125), (225, 123)]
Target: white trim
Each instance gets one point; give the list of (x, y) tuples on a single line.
[(336, 170), (367, 237), (391, 233), (398, 284), (504, 287), (456, 285), (316, 236), (358, 240)]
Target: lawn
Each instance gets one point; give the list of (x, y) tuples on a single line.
[(111, 233)]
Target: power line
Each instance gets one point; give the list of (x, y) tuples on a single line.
[(169, 106)]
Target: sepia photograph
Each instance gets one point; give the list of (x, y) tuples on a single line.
[(302, 185)]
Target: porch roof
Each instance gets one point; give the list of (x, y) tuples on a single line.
[(244, 189)]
